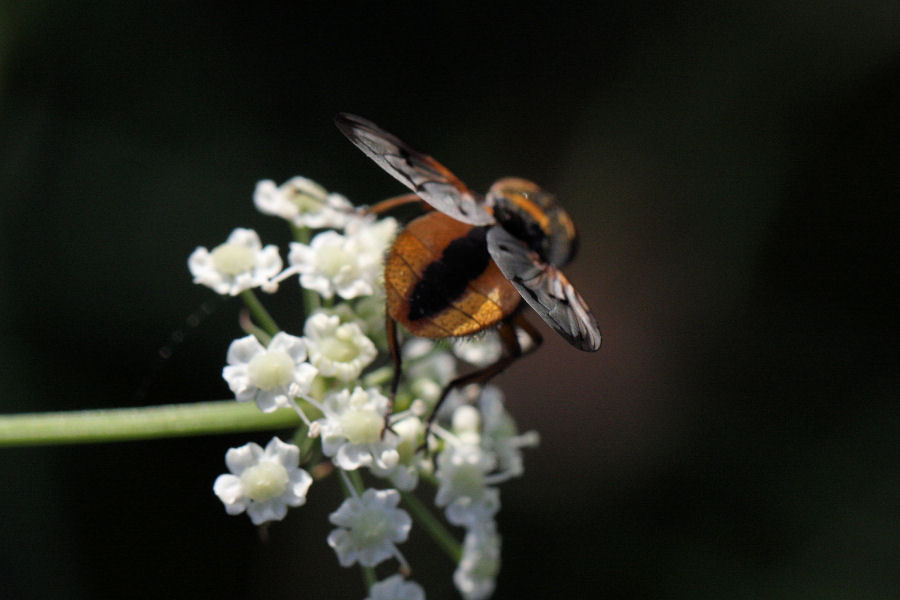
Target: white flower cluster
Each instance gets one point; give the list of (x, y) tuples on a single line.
[(330, 373), (482, 449)]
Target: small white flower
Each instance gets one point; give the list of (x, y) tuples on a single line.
[(466, 424), (352, 427), (334, 264), (241, 263), (303, 202), (373, 236), (369, 527), (348, 265), (500, 435), (463, 475), (272, 377), (405, 474), (336, 349), (396, 588), (427, 369), (479, 350), (476, 574), (263, 482)]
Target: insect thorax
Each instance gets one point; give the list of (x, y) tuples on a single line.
[(533, 216)]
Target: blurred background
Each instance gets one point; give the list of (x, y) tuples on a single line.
[(733, 170)]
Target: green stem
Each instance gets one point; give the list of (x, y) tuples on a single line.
[(311, 300), (430, 479), (369, 577), (142, 423), (247, 324), (301, 234), (357, 480), (433, 526), (259, 312)]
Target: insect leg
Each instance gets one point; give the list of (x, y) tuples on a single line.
[(394, 347), (536, 338), (512, 351)]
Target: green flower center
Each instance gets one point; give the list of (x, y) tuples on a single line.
[(339, 350), (370, 528), (233, 259), (271, 369), (265, 481), (307, 203), (332, 260), (361, 426), (468, 480)]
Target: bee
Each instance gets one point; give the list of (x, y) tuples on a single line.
[(468, 263)]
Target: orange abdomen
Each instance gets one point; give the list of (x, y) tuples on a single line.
[(440, 280)]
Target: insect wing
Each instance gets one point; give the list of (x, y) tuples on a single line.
[(545, 289), (428, 178)]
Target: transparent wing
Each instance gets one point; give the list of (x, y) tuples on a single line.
[(428, 178), (545, 289)]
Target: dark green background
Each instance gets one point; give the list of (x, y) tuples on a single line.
[(732, 167)]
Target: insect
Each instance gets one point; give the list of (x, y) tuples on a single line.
[(467, 265)]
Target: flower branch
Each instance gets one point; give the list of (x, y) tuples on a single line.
[(139, 423)]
